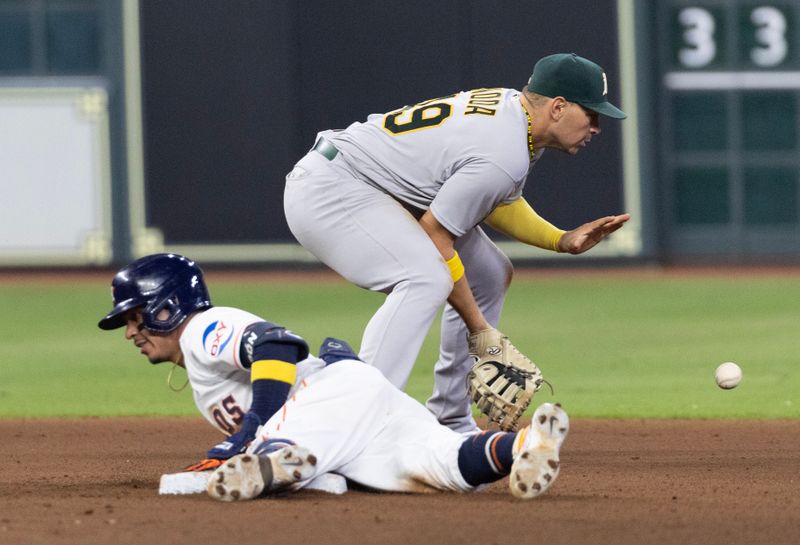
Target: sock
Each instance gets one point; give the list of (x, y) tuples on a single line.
[(486, 457)]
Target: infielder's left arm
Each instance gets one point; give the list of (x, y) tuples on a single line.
[(520, 221)]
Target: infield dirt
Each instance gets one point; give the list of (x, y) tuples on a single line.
[(622, 482)]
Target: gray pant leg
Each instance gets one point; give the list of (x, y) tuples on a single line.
[(489, 272), (371, 240)]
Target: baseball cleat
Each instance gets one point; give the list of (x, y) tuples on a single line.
[(247, 476), (536, 462)]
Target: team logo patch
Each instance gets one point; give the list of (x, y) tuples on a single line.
[(216, 337)]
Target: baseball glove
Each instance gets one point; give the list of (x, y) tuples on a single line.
[(502, 380)]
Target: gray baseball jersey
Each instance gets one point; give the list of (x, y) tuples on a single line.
[(459, 156), (476, 159)]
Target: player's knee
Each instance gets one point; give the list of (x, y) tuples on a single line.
[(501, 265), (506, 269), (428, 280), (422, 289), (437, 283), (495, 271)]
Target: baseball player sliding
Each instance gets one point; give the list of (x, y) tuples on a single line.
[(300, 416), (394, 204)]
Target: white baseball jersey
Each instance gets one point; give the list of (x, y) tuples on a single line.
[(480, 142), (355, 422), (221, 386)]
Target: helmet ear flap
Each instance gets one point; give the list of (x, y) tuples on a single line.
[(163, 315)]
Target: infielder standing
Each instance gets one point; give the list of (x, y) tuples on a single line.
[(304, 416), (394, 204)]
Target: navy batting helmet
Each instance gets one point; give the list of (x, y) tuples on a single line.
[(157, 282)]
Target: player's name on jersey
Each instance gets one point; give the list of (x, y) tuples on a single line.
[(480, 101)]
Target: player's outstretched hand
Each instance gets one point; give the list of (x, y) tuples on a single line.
[(238, 442), (587, 236), (204, 465)]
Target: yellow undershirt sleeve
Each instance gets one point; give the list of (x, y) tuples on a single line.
[(273, 370), (521, 222)]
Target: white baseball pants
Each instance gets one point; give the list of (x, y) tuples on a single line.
[(360, 426)]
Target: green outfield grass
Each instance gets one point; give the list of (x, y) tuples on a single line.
[(611, 346)]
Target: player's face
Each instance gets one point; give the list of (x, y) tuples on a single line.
[(158, 347), (577, 127)]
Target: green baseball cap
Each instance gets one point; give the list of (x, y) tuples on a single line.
[(576, 79)]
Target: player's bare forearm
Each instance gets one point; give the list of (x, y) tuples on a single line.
[(461, 298), (441, 237), (586, 237)]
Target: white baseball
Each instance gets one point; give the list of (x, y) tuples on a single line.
[(728, 375)]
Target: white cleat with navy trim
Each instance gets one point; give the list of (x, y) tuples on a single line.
[(536, 460), (247, 476)]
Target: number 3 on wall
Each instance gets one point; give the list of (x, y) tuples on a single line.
[(770, 26), (698, 35)]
